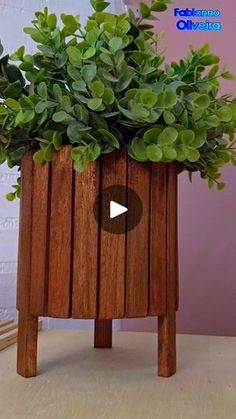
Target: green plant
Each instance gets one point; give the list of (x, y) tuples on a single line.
[(105, 85)]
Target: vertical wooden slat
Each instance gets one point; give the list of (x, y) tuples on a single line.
[(25, 231), (28, 324), (112, 246), (40, 238), (167, 322), (137, 247), (158, 204), (85, 253), (59, 280)]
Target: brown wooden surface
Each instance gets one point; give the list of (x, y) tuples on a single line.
[(112, 246), (28, 324), (85, 253), (103, 333), (59, 279), (167, 323), (40, 239), (137, 247), (158, 208)]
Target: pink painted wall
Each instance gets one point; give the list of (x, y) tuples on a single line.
[(207, 219)]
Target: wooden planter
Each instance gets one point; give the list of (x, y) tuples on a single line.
[(69, 267)]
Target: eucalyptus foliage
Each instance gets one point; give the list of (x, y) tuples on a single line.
[(105, 85)]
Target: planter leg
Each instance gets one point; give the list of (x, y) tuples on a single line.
[(27, 345), (103, 334), (167, 344)]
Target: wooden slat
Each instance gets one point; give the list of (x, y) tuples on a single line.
[(157, 282), (167, 323), (85, 253), (39, 239), (8, 339), (25, 228), (137, 248), (28, 323), (59, 280), (112, 246), (8, 328), (4, 323)]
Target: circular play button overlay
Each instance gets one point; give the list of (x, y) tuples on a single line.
[(118, 209)]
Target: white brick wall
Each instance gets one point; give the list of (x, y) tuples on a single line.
[(14, 15)]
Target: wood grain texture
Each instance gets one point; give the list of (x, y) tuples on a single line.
[(137, 245), (112, 246), (103, 333), (7, 328), (158, 208), (28, 323), (59, 279), (167, 323), (85, 250), (40, 239)]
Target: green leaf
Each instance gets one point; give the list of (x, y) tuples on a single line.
[(192, 154), (11, 196), (221, 186), (60, 116), (98, 88), (40, 107), (89, 72), (79, 86), (166, 99), (139, 149), (159, 6), (94, 104), (80, 165), (52, 21), (169, 117), (42, 90), (154, 153), (38, 157), (109, 137), (168, 136), (89, 53), (105, 58), (169, 153), (209, 59), (148, 98), (108, 96), (203, 101), (187, 136), (225, 113), (49, 153), (145, 10), (99, 6), (151, 135), (200, 138), (57, 140), (93, 152), (115, 44), (75, 56), (12, 104)]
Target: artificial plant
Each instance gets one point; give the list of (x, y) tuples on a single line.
[(105, 85)]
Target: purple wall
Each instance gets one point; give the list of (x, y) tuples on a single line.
[(207, 219)]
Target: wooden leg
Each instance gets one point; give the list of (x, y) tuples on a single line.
[(27, 345), (167, 322), (103, 334), (167, 345)]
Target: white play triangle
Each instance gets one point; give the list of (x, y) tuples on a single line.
[(116, 209)]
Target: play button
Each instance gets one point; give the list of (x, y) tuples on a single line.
[(118, 209)]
